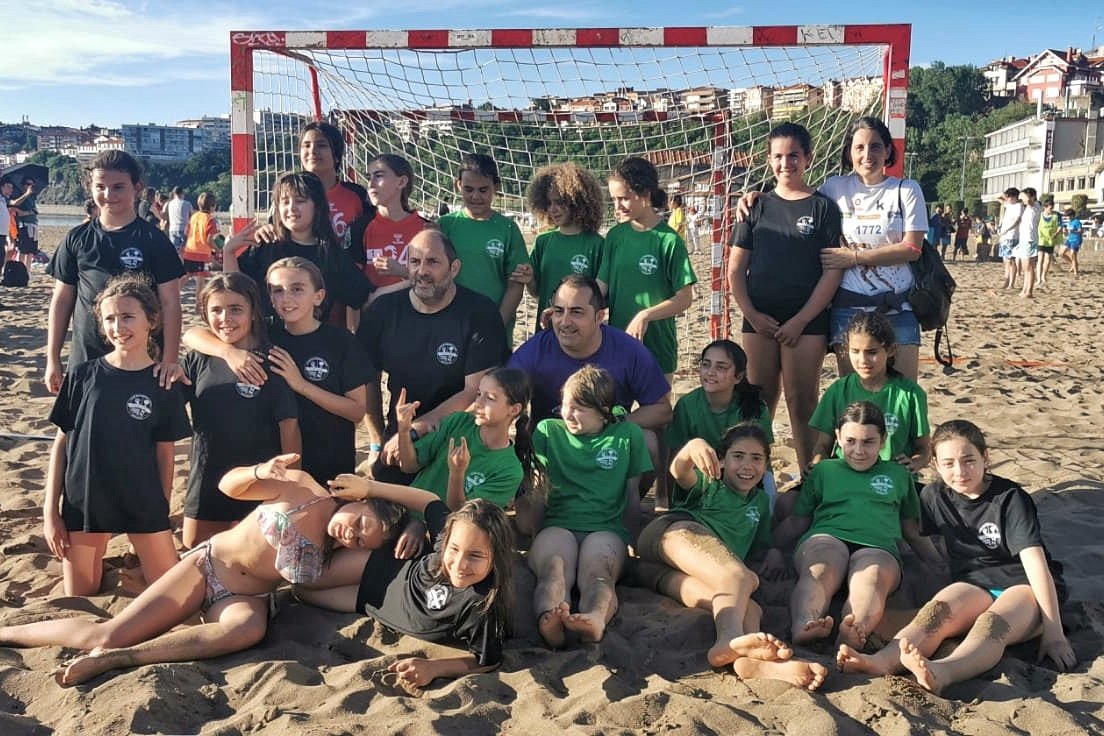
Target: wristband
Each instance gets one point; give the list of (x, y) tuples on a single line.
[(255, 476), (413, 434), (374, 447)]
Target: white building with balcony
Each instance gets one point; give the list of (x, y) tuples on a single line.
[(1037, 152)]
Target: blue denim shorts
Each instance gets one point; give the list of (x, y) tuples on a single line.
[(905, 327)]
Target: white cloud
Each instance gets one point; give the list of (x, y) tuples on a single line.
[(103, 42)]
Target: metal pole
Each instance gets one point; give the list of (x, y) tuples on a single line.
[(962, 177)]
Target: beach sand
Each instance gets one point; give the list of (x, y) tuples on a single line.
[(1030, 372)]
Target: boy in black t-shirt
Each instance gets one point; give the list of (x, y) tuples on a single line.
[(1006, 588)]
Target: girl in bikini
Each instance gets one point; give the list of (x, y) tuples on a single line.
[(227, 578)]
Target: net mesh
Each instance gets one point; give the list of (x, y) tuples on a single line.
[(700, 114)]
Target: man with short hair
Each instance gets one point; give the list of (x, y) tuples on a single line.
[(180, 211), (1027, 249), (435, 339), (579, 337)]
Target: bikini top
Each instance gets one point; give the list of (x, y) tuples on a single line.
[(298, 559)]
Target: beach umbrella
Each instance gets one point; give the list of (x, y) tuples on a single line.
[(16, 174)]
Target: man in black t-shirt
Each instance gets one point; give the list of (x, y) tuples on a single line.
[(435, 339)]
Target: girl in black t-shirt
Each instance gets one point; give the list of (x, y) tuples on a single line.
[(111, 465), (776, 276), (235, 422), (1006, 588), (460, 591)]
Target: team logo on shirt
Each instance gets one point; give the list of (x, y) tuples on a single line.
[(447, 353), (472, 481), (752, 514), (607, 458), (648, 265), (247, 390), (805, 225), (316, 369), (881, 484), (131, 258), (580, 263), (139, 407), (989, 534), (495, 248), (892, 423), (436, 597)]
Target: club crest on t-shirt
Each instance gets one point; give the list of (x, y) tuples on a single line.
[(473, 481), (892, 423), (131, 258), (805, 225), (752, 514), (648, 265), (447, 353), (436, 597), (580, 263), (139, 407), (881, 484), (989, 535), (247, 390), (607, 458), (316, 369), (495, 248)]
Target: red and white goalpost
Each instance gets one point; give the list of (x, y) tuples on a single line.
[(698, 102)]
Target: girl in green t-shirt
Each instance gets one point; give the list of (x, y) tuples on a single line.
[(850, 516), (645, 269), (568, 198), (592, 510), (470, 455), (871, 346), (696, 552)]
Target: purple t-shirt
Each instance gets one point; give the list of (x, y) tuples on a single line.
[(633, 367)]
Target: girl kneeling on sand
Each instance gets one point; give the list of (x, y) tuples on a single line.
[(696, 552), (227, 578), (1006, 588)]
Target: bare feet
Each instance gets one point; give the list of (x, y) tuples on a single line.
[(86, 666), (919, 666), (589, 626), (849, 660), (797, 672), (814, 630), (852, 633), (760, 645), (551, 625)]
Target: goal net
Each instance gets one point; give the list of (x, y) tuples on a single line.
[(697, 102)]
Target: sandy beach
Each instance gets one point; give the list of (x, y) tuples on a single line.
[(1030, 372)]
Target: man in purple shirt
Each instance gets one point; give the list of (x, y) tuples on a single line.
[(578, 337)]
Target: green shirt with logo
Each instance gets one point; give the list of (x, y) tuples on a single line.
[(489, 251), (695, 418), (556, 255), (587, 474), (643, 269), (862, 508), (494, 475), (741, 522), (903, 402)]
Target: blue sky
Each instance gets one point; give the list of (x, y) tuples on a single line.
[(76, 62)]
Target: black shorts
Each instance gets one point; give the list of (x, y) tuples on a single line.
[(25, 245), (194, 266), (1046, 249), (819, 325), (152, 517), (216, 506), (379, 572)]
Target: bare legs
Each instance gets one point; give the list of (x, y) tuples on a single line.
[(823, 562), (1027, 270), (129, 639), (1010, 271), (796, 370), (82, 568), (990, 626), (560, 562)]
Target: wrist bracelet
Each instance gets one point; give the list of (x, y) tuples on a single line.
[(413, 434), (374, 447), (856, 258), (255, 476)]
